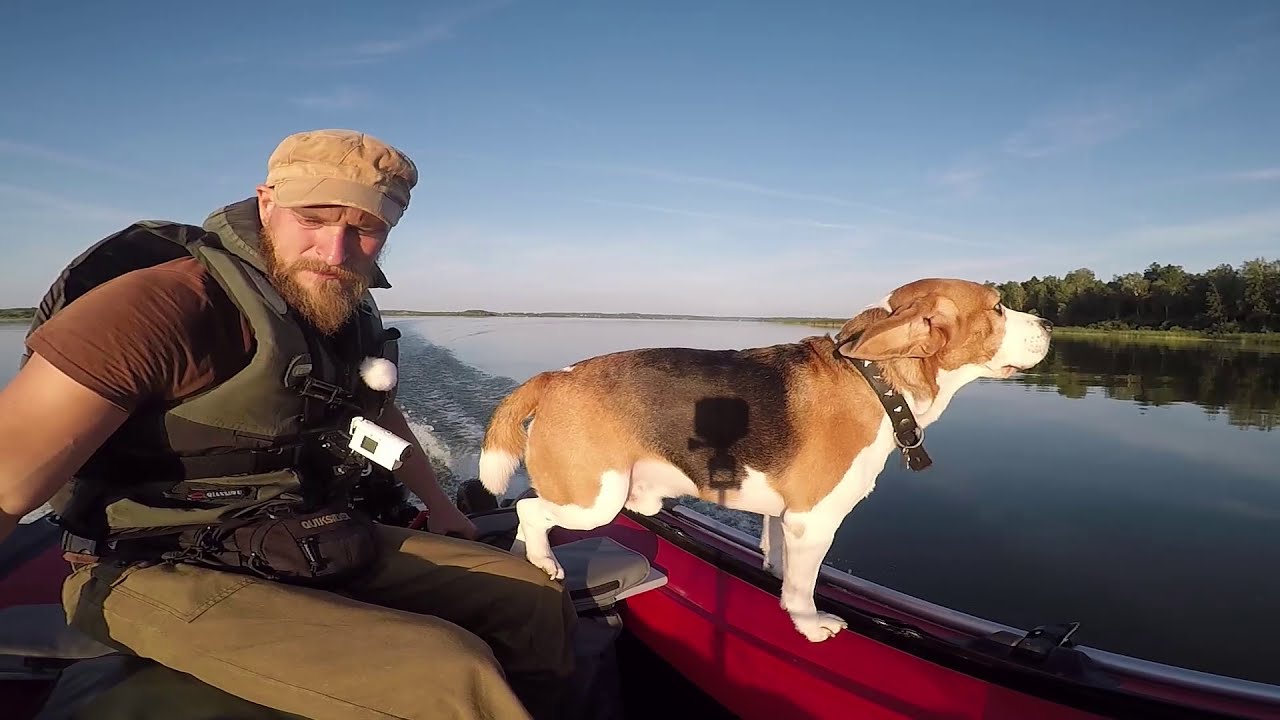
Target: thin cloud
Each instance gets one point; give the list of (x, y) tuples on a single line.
[(1260, 225), (66, 208), (726, 184), (436, 30), (1058, 133), (58, 157), (867, 233), (962, 182), (344, 98), (744, 219), (1251, 176), (1111, 110)]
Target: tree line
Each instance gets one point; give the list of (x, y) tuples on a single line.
[(1224, 299)]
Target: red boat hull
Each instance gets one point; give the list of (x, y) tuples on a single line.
[(717, 622), (721, 626), (732, 639)]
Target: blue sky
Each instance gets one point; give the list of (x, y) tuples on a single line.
[(704, 157)]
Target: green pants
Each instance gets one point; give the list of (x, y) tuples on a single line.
[(391, 644)]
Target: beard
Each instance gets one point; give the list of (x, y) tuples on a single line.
[(327, 305)]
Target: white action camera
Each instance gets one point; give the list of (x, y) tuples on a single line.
[(378, 444)]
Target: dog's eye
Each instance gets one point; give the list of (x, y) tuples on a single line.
[(999, 308)]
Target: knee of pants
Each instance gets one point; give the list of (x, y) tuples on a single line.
[(476, 654), (519, 568)]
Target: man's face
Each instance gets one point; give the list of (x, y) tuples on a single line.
[(320, 259)]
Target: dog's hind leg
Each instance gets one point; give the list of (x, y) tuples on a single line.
[(771, 543), (538, 515), (807, 537)]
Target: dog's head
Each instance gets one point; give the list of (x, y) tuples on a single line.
[(947, 324)]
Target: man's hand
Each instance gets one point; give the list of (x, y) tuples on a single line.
[(449, 520), (417, 475)]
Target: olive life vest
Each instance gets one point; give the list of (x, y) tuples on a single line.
[(265, 434)]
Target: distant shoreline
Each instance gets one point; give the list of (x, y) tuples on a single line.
[(13, 315), (613, 316), (836, 323)]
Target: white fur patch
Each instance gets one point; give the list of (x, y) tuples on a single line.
[(652, 481), (379, 373), (496, 467), (883, 303), (1025, 343), (756, 495)]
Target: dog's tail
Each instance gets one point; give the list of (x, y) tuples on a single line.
[(504, 439)]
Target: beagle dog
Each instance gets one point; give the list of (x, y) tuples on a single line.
[(796, 432)]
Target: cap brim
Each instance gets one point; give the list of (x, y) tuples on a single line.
[(303, 192)]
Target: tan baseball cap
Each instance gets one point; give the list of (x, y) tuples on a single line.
[(342, 167)]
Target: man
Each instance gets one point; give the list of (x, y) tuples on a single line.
[(163, 406)]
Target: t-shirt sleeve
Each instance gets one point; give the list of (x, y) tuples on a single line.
[(148, 336)]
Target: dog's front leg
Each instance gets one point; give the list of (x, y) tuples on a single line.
[(806, 540)]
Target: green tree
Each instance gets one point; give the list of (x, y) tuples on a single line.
[(1222, 299)]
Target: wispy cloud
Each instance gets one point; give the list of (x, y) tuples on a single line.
[(66, 208), (436, 29), (343, 98), (1070, 130), (757, 221), (1110, 110), (864, 234), (1249, 227), (961, 181), (57, 157), (1260, 175), (727, 184)]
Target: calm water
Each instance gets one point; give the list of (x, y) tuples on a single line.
[(1134, 488)]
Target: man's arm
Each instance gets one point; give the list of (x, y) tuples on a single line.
[(417, 474), (49, 426)]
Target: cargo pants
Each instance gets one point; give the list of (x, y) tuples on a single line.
[(390, 644)]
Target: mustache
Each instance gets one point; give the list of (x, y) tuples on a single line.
[(343, 274)]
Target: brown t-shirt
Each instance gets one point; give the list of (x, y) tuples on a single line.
[(152, 336)]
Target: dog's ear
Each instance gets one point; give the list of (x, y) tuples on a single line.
[(918, 329)]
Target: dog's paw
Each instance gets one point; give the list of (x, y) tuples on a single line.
[(818, 626), (549, 565)]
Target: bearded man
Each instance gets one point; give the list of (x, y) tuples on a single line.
[(188, 406)]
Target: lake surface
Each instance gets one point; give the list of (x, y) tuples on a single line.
[(1132, 487)]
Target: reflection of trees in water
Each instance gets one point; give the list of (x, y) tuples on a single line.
[(1242, 382)]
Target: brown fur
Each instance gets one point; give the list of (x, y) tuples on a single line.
[(833, 403)]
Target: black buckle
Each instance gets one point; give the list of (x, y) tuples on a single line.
[(321, 390), (73, 543)]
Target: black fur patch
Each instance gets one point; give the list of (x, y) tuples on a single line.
[(716, 411)]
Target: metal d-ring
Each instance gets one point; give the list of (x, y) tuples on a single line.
[(919, 439)]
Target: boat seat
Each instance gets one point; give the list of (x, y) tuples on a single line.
[(599, 572)]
